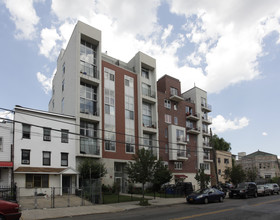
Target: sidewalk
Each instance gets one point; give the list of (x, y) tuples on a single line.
[(95, 209)]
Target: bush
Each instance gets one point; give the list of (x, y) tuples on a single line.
[(144, 202), (106, 189)]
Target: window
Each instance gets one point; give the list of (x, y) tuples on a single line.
[(219, 160), (219, 172), (88, 99), (188, 110), (147, 114), (129, 107), (63, 68), (37, 181), (166, 148), (175, 120), (46, 158), (167, 118), (109, 76), (129, 143), (26, 131), (145, 73), (62, 85), (110, 145), (204, 166), (166, 132), (64, 159), (175, 107), (180, 135), (189, 124), (25, 156), (87, 52), (173, 91), (178, 165), (226, 161), (188, 138), (167, 104), (128, 81), (62, 105), (1, 144), (64, 136), (47, 134), (109, 99)]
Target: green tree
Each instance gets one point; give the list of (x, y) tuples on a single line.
[(202, 178), (143, 168), (161, 175), (251, 174), (219, 143), (235, 174), (91, 169)]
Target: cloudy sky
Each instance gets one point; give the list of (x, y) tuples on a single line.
[(229, 48)]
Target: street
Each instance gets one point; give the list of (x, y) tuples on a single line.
[(252, 208)]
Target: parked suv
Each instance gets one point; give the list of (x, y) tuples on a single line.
[(244, 190), (274, 188)]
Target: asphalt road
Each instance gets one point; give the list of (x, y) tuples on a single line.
[(261, 208)]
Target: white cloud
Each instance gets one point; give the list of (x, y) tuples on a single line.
[(48, 46), (24, 16), (264, 133), (45, 81), (220, 124)]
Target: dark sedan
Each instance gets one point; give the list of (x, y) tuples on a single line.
[(9, 210), (206, 195)]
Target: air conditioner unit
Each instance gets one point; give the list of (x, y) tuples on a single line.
[(64, 140), (25, 161)]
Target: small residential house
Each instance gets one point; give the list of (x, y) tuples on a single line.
[(224, 160), (6, 164), (44, 152)]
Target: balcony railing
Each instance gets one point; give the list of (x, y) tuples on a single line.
[(148, 92), (206, 107), (149, 124), (193, 116), (193, 130), (181, 153), (207, 119), (89, 146), (182, 139), (89, 70)]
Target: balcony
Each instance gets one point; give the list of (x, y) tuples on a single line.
[(193, 130), (206, 145), (205, 132), (207, 158), (89, 147), (207, 120), (182, 139), (148, 92), (192, 116), (87, 69), (206, 107), (181, 155), (149, 126), (176, 98)]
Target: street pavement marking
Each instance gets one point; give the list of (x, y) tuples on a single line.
[(203, 214), (262, 203)]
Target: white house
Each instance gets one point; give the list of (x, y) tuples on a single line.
[(44, 152), (6, 164)]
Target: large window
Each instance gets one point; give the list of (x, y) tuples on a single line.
[(178, 165), (109, 100), (88, 141), (167, 103), (88, 52), (145, 73), (146, 90), (88, 99), (26, 131), (46, 134), (129, 143), (37, 180), (25, 156), (46, 158), (129, 107), (173, 91), (147, 114), (64, 159), (167, 118)]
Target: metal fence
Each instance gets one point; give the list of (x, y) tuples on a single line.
[(40, 198), (8, 193)]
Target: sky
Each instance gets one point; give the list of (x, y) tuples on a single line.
[(231, 49)]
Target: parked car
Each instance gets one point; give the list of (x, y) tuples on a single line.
[(263, 190), (244, 190), (9, 210), (273, 187), (206, 195)]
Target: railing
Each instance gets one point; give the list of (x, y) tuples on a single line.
[(149, 123), (207, 106), (181, 153), (89, 70), (148, 92), (182, 139), (192, 114), (89, 148), (208, 119)]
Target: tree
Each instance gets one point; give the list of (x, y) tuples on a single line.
[(235, 174), (91, 169), (251, 174), (145, 168), (219, 143), (202, 178), (161, 175)]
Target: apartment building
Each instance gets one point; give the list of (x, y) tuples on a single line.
[(177, 143), (199, 126), (44, 151), (266, 164), (223, 161), (113, 102), (6, 146)]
